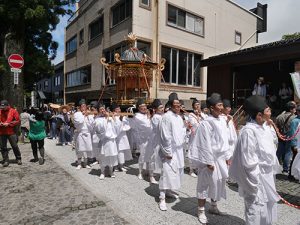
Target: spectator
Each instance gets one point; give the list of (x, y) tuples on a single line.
[(283, 122), (53, 121), (285, 94), (47, 117), (24, 124), (260, 88), (37, 135), (293, 143), (9, 118), (64, 122)]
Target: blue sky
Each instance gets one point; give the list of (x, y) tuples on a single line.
[(283, 18)]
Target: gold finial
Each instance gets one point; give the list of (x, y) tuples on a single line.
[(131, 38)]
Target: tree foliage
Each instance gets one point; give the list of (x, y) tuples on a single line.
[(291, 36), (31, 22)]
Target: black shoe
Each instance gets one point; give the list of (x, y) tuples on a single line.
[(33, 160), (5, 164), (41, 161), (292, 178), (19, 162)]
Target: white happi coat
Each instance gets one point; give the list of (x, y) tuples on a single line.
[(210, 147), (151, 155), (141, 125), (95, 137), (195, 121), (84, 129), (253, 167), (232, 135), (172, 134), (105, 128), (122, 139)]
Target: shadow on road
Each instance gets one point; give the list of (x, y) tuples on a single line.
[(189, 206)]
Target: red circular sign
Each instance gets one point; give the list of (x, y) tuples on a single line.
[(16, 61)]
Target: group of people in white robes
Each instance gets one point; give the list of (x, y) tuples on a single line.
[(103, 136), (215, 151)]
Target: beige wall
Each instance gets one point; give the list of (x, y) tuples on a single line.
[(221, 19)]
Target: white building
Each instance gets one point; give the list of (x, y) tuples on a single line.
[(181, 31)]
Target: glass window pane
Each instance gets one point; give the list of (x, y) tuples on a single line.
[(143, 46), (146, 2), (172, 11), (128, 8), (181, 18), (238, 38), (116, 15), (174, 66), (199, 26), (122, 11), (190, 22), (182, 67), (190, 68), (197, 71), (166, 53)]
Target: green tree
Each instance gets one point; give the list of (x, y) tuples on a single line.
[(291, 36), (25, 28)]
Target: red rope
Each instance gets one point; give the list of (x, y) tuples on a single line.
[(282, 137), (287, 203)]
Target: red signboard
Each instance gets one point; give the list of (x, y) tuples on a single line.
[(16, 61)]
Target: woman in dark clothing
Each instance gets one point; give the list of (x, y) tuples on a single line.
[(37, 135)]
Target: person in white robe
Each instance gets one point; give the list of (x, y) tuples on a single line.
[(141, 125), (210, 153), (151, 156), (194, 120), (172, 134), (94, 107), (124, 150), (232, 135), (83, 140), (106, 129), (254, 164)]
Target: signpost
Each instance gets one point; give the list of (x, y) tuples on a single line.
[(16, 62)]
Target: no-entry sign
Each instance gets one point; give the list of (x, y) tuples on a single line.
[(16, 61)]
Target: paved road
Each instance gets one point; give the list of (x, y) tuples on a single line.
[(56, 193), (137, 200), (34, 194)]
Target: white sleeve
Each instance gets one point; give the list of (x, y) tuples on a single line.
[(165, 129), (78, 119)]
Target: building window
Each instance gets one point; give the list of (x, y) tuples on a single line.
[(46, 84), (185, 20), (145, 4), (121, 11), (96, 28), (238, 38), (81, 36), (71, 45), (181, 67), (79, 77), (57, 81)]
